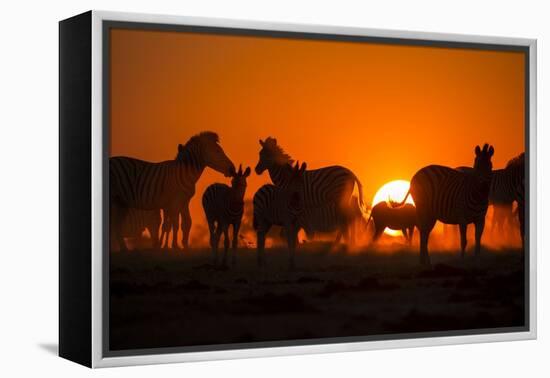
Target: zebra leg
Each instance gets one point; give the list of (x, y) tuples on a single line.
[(521, 218), (225, 244), (260, 243), (174, 220), (213, 246), (480, 224), (377, 233), (118, 216), (235, 242), (425, 230), (292, 233), (410, 238), (154, 231), (165, 233), (463, 227), (217, 236), (185, 226)]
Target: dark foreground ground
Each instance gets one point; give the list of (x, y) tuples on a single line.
[(170, 299)]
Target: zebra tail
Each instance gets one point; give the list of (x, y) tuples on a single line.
[(370, 217), (360, 190), (404, 200)]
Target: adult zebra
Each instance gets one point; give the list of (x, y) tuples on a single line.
[(452, 197), (224, 206), (167, 185), (507, 186), (329, 218), (280, 206), (510, 184), (322, 186)]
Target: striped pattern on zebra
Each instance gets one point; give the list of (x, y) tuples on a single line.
[(322, 186), (224, 206), (167, 185), (136, 221), (280, 206), (329, 218), (452, 197), (507, 186), (514, 182)]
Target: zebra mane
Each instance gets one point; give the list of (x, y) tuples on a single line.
[(517, 162), (279, 155), (208, 136)]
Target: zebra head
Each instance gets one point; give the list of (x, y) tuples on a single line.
[(294, 190), (482, 163), (211, 153), (271, 155), (238, 180)]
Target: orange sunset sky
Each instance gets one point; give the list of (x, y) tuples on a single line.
[(384, 111)]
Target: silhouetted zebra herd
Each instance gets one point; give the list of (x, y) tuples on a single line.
[(318, 200)]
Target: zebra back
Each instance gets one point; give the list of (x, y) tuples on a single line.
[(219, 206), (450, 195), (144, 185), (327, 184)]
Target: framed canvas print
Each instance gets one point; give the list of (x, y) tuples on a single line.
[(233, 189)]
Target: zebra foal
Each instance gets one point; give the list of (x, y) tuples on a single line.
[(223, 206), (280, 206)]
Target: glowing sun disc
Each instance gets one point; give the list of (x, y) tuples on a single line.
[(393, 191)]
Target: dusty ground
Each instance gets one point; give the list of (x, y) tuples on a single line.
[(167, 299)]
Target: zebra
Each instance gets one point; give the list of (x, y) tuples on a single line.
[(510, 184), (280, 206), (452, 197), (396, 218), (136, 221), (329, 218), (224, 206), (322, 186), (507, 186), (167, 185)]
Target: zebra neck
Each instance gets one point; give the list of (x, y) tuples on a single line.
[(191, 165), (280, 174), (236, 196)]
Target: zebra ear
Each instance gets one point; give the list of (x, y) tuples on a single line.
[(478, 150), (240, 172), (491, 151), (261, 142), (247, 172), (303, 167)]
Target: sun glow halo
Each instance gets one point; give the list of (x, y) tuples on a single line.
[(393, 191)]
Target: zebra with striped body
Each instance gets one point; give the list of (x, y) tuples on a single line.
[(452, 197), (330, 218), (280, 206), (507, 186), (322, 186), (510, 186), (168, 185), (224, 206)]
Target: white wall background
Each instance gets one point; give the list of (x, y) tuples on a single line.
[(28, 185)]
